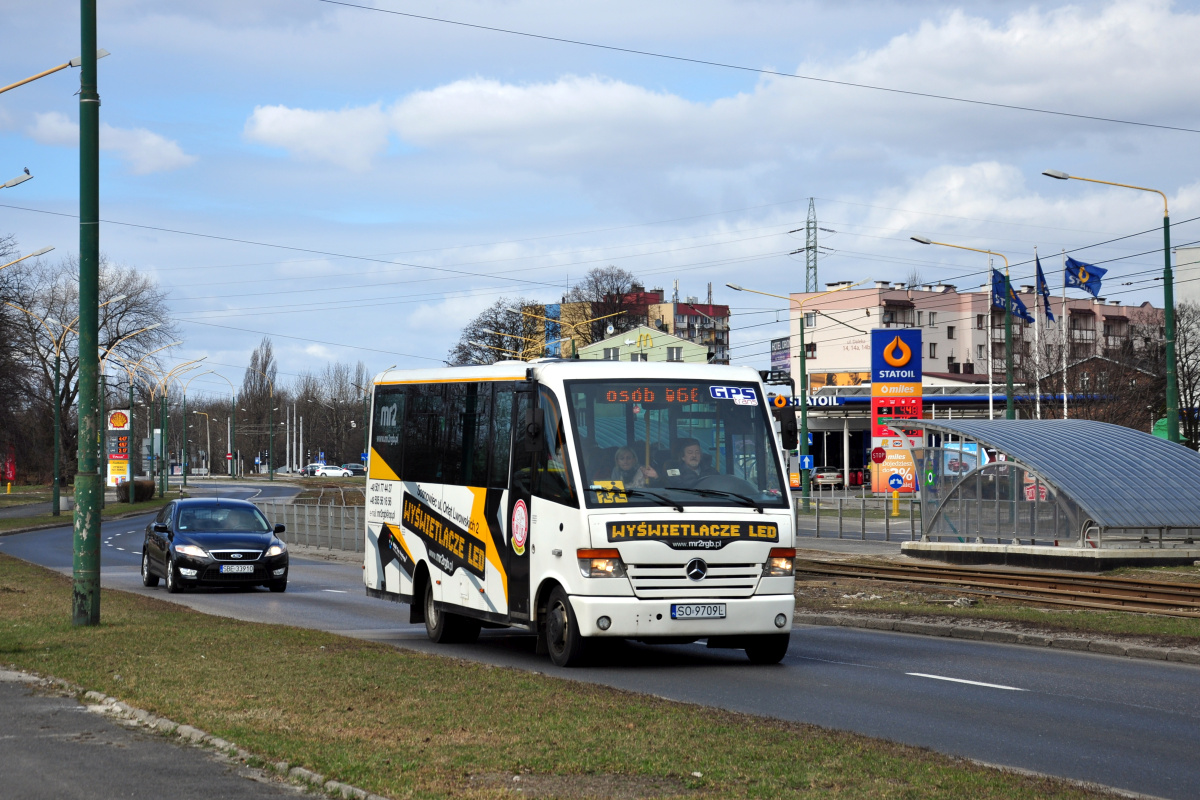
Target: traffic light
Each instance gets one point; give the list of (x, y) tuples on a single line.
[(788, 430)]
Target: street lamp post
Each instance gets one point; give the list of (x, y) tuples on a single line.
[(1010, 409), (805, 478), (1168, 299)]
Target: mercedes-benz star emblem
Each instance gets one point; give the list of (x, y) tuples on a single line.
[(696, 569)]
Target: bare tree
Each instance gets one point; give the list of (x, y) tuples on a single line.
[(498, 333), (256, 400), (1187, 356), (133, 319), (606, 290)]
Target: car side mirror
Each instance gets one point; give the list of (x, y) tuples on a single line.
[(280, 527), (161, 527)]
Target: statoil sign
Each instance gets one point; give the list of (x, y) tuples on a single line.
[(896, 406)]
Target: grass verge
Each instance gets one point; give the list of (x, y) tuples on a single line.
[(66, 517), (405, 724), (894, 599), (19, 495)]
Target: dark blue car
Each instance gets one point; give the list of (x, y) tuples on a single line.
[(213, 542)]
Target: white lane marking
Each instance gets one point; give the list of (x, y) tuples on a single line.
[(122, 549), (335, 591), (972, 683)]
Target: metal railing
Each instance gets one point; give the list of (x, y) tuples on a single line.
[(863, 518), (328, 526)]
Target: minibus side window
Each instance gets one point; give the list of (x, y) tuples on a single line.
[(501, 437)]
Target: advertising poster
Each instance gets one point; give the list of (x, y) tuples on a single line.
[(896, 405), (781, 355)]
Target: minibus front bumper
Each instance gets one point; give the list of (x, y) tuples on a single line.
[(636, 618)]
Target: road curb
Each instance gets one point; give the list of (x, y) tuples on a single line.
[(1102, 646), (100, 703)]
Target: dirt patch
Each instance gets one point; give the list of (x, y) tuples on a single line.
[(599, 787)]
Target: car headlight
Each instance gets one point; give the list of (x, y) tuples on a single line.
[(600, 563), (277, 549), (780, 563), (190, 550)]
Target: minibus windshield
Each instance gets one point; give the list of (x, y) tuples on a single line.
[(675, 443)]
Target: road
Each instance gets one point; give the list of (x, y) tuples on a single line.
[(1127, 723)]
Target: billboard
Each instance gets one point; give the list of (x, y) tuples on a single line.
[(896, 405), (120, 427), (781, 355)]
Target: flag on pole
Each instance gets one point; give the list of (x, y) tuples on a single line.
[(1018, 308), (997, 290), (1043, 289), (1078, 275)]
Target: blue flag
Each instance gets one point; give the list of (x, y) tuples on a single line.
[(1018, 308), (1043, 289), (1078, 275), (997, 290)]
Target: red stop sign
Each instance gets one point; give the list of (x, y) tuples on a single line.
[(878, 455)]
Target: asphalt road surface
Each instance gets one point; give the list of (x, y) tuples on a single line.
[(1127, 723)]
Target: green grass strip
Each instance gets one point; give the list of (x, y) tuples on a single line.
[(405, 724)]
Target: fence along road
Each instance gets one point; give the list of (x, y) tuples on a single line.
[(862, 518), (332, 527)]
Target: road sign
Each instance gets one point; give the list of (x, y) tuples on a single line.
[(229, 456), (364, 458), (896, 481), (878, 455), (257, 460), (806, 462), (810, 437)]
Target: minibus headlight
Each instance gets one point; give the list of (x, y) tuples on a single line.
[(600, 563), (780, 563)]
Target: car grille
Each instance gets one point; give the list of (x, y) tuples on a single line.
[(236, 556), (656, 581)]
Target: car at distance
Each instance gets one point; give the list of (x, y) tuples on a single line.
[(333, 472), (213, 542), (826, 476), (357, 470), (311, 469)]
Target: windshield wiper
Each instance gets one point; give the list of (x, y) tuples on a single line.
[(748, 502), (642, 493)]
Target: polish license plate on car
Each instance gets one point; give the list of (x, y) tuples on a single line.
[(228, 568), (697, 611)]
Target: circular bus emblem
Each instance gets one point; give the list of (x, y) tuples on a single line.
[(520, 527), (696, 569)]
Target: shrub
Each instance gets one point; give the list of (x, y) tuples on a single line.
[(143, 489)]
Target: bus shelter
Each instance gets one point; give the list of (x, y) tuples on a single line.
[(1057, 483)]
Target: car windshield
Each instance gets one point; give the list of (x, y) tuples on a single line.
[(674, 443), (222, 519)]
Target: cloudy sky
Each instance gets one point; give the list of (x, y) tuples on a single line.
[(357, 184)]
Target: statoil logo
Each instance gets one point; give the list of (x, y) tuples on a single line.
[(897, 353)]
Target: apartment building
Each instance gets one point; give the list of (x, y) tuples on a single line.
[(962, 334)]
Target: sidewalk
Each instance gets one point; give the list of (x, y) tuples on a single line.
[(53, 749)]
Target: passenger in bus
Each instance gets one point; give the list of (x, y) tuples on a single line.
[(632, 474), (688, 468)]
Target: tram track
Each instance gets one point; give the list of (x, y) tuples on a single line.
[(1057, 588)]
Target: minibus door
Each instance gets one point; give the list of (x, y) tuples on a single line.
[(520, 497)]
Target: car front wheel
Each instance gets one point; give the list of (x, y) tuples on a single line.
[(173, 585), (147, 578)]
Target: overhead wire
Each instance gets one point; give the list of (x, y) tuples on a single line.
[(759, 70)]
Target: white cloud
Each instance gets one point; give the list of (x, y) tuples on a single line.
[(349, 138), (1129, 59), (143, 151)]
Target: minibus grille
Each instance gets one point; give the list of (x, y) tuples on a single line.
[(654, 581)]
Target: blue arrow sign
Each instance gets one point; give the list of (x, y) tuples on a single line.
[(806, 462), (896, 481)]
